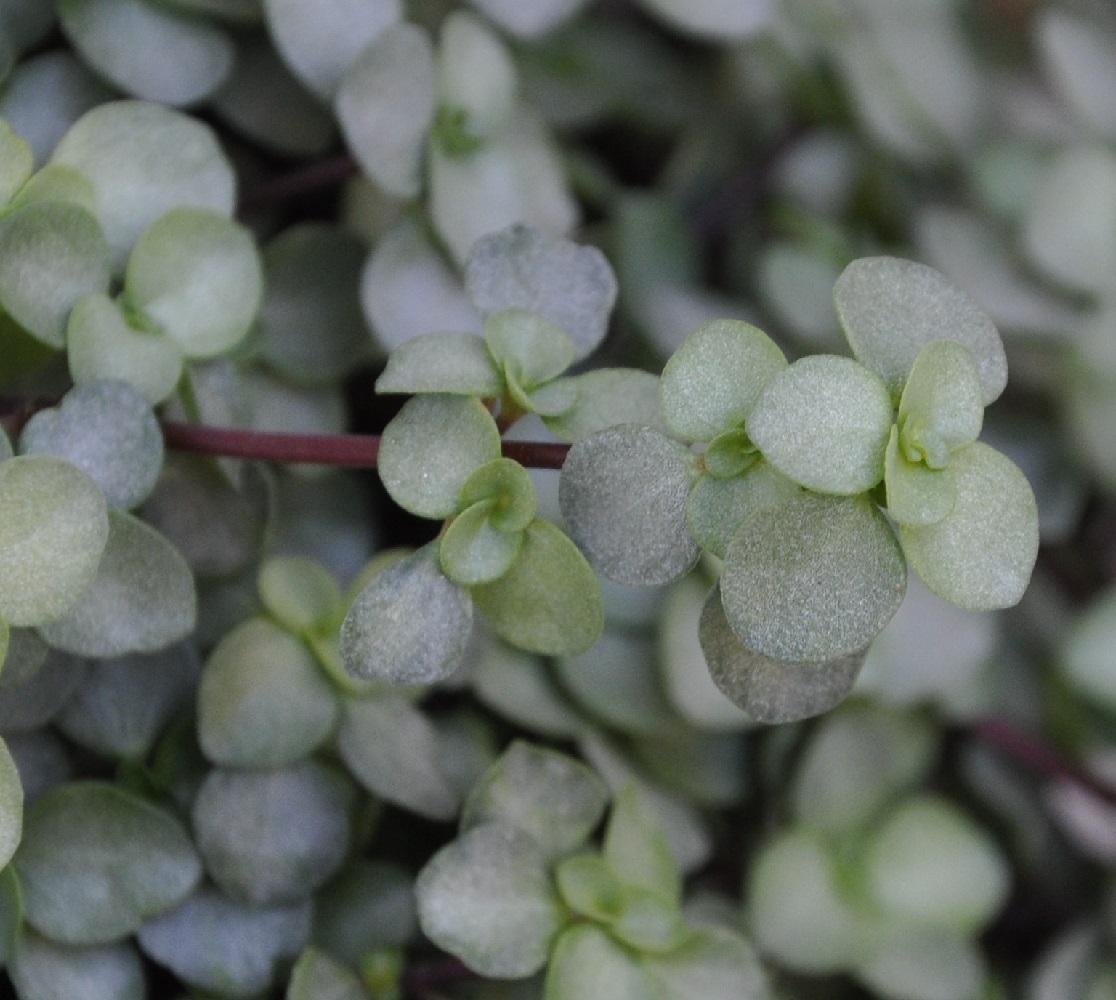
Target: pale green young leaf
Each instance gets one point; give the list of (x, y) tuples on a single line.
[(51, 254), (97, 861), (144, 160), (928, 862), (55, 182), (941, 402), (141, 599), (548, 401), (918, 962), (715, 377), (42, 969), (476, 75), (102, 345), (530, 350), (108, 430), (916, 494), (824, 423), (317, 976), (623, 494), (649, 924), (981, 556), (51, 537), (813, 579), (487, 898), (890, 309), (554, 798), (730, 454), (262, 700), (523, 268), (509, 486), (590, 887), (11, 805), (410, 624), (386, 102), (16, 162), (588, 964), (431, 448), (549, 601), (473, 550), (395, 752), (269, 836), (147, 51), (607, 397), (311, 275), (299, 593), (715, 963), (197, 277), (456, 363), (771, 691), (637, 849), (717, 508)]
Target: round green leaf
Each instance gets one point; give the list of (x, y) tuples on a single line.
[(457, 363), (509, 486), (16, 162), (588, 964), (890, 309), (813, 579), (549, 601), (96, 862), (146, 51), (637, 848), (718, 507), (42, 969), (487, 898), (715, 377), (431, 448), (108, 430), (824, 423), (263, 701), (530, 349), (51, 537), (197, 277), (771, 691), (102, 345), (410, 624), (981, 556), (473, 551), (607, 397), (916, 494), (144, 160), (715, 963), (623, 494), (589, 886), (51, 254), (55, 182), (316, 976), (941, 401), (917, 962), (142, 598), (385, 104), (11, 806), (299, 593)]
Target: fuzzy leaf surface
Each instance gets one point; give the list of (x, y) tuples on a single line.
[(474, 551), (717, 508), (42, 969), (714, 964), (916, 494), (607, 397), (588, 964), (457, 363)]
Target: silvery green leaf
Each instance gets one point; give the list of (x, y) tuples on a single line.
[(108, 430), (717, 508), (473, 550), (144, 160), (528, 21), (824, 422), (554, 798), (17, 161), (607, 397), (317, 976), (588, 964), (97, 861), (771, 691), (367, 905), (42, 969), (263, 701), (614, 681), (623, 493), (148, 52), (488, 899), (531, 350), (35, 685), (636, 847), (410, 624), (522, 268), (142, 598), (442, 362), (217, 945), (1080, 56), (981, 556), (319, 46), (274, 835), (916, 494), (393, 750), (549, 601), (924, 963), (122, 705), (262, 99), (101, 345), (890, 309), (797, 910), (51, 538), (714, 964), (51, 254), (942, 396), (386, 102), (311, 274), (431, 447), (11, 806), (198, 278), (299, 593), (715, 377), (813, 579), (718, 20)]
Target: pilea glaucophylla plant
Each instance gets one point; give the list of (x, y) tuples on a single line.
[(522, 889)]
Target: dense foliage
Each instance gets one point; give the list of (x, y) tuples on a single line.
[(704, 631)]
